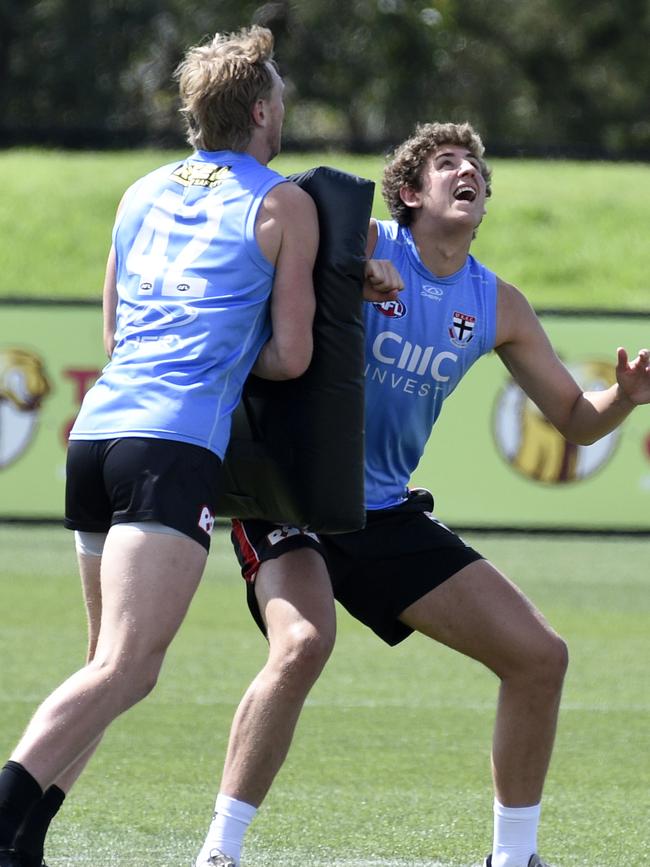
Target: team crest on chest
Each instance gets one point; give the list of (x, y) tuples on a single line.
[(393, 309), (461, 329)]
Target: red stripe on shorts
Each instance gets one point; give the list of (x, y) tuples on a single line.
[(249, 561)]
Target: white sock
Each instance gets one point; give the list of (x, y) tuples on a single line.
[(515, 835), (229, 824)]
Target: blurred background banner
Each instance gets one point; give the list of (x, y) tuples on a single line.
[(508, 467), (50, 355)]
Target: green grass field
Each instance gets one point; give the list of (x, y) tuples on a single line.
[(568, 234), (390, 765)]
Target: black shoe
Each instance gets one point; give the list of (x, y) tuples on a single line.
[(217, 859)]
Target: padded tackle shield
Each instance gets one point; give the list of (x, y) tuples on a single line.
[(296, 453)]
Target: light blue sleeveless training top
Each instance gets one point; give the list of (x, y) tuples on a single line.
[(418, 348), (193, 313)]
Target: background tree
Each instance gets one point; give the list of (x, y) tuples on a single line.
[(544, 75)]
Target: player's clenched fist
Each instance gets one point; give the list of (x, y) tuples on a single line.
[(382, 280)]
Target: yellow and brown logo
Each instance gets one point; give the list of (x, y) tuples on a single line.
[(23, 387), (200, 175), (534, 448)]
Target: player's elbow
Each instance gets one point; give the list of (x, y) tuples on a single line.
[(585, 439), (295, 361), (580, 435), (581, 425), (576, 437)]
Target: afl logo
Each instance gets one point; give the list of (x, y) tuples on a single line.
[(392, 309)]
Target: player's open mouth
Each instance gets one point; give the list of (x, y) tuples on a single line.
[(465, 193)]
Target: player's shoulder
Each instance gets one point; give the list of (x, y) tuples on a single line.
[(287, 217), (510, 295), (290, 204), (515, 313), (155, 179), (389, 229), (289, 193), (382, 235), (161, 173)]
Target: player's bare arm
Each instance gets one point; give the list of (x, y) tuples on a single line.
[(109, 304), (371, 241), (109, 297), (382, 281), (287, 232), (582, 417)]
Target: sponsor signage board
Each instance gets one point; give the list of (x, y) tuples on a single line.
[(50, 355), (492, 460)]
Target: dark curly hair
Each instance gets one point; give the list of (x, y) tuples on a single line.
[(409, 159)]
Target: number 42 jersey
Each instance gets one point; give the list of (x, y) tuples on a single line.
[(192, 312)]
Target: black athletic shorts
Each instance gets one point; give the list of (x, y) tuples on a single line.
[(135, 479), (377, 572)]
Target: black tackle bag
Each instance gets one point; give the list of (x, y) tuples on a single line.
[(296, 452)]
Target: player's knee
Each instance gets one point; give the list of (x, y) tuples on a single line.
[(549, 663), (145, 678), (311, 646), (128, 681), (306, 651), (560, 658), (144, 683)]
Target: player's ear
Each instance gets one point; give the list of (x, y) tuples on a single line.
[(258, 112), (411, 197)]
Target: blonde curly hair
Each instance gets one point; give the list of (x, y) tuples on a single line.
[(409, 159), (219, 83)]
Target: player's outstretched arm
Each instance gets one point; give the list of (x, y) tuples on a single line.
[(582, 417), (287, 231)]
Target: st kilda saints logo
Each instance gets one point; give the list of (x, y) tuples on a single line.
[(461, 330), (392, 309)]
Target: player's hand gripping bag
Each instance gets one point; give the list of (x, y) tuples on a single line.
[(296, 449)]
